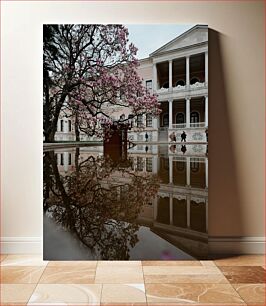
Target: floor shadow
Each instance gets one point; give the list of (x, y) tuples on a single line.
[(225, 217)]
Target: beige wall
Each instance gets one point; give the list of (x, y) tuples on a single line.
[(236, 104)]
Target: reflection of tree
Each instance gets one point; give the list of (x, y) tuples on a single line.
[(99, 202)]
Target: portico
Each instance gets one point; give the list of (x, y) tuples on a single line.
[(189, 112)]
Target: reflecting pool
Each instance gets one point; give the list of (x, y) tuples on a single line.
[(150, 204)]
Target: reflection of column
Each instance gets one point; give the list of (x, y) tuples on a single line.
[(154, 77), (187, 112), (206, 67), (188, 171), (155, 207), (171, 169), (65, 161), (188, 211), (154, 164), (187, 72), (171, 208), (206, 111), (170, 113), (144, 164), (206, 207), (206, 172), (170, 74)]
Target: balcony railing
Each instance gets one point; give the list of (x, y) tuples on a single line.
[(197, 85), (192, 125)]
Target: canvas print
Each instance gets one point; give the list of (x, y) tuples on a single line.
[(125, 142)]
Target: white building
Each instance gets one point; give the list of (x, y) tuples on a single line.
[(178, 73)]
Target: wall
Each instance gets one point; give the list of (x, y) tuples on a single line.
[(236, 111)]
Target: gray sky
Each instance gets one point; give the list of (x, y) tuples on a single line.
[(149, 37)]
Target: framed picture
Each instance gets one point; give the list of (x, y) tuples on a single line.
[(125, 130)]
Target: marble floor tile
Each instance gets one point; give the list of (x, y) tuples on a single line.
[(182, 274), (23, 260), (243, 260), (208, 263), (69, 275), (119, 274), (16, 293), (127, 304), (192, 293), (251, 293), (171, 263), (66, 294), (248, 274), (123, 293), (73, 263), (119, 263), (21, 275)]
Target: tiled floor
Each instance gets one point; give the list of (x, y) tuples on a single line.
[(28, 280)]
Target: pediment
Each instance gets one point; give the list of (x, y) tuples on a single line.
[(196, 35)]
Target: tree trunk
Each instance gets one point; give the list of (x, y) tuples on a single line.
[(77, 127)]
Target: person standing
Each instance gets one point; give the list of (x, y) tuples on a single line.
[(146, 137), (183, 136)]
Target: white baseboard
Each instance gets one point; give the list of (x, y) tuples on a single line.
[(21, 245), (217, 245), (236, 245)]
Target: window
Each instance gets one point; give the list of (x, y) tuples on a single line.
[(62, 125), (194, 165), (180, 83), (69, 158), (165, 120), (166, 85), (194, 80), (180, 166), (149, 164), (194, 117), (148, 120), (139, 120), (69, 125), (139, 164), (149, 85), (180, 118)]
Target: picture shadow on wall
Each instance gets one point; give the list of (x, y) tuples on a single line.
[(225, 198)]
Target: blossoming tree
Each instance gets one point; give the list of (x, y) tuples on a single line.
[(89, 71)]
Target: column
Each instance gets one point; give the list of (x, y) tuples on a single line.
[(171, 169), (154, 67), (170, 113), (187, 112), (206, 111), (171, 208), (170, 74), (206, 172), (188, 170), (188, 211), (187, 72), (206, 67)]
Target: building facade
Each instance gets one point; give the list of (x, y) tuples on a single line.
[(178, 73)]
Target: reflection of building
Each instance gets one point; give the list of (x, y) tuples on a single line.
[(178, 73), (179, 212)]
